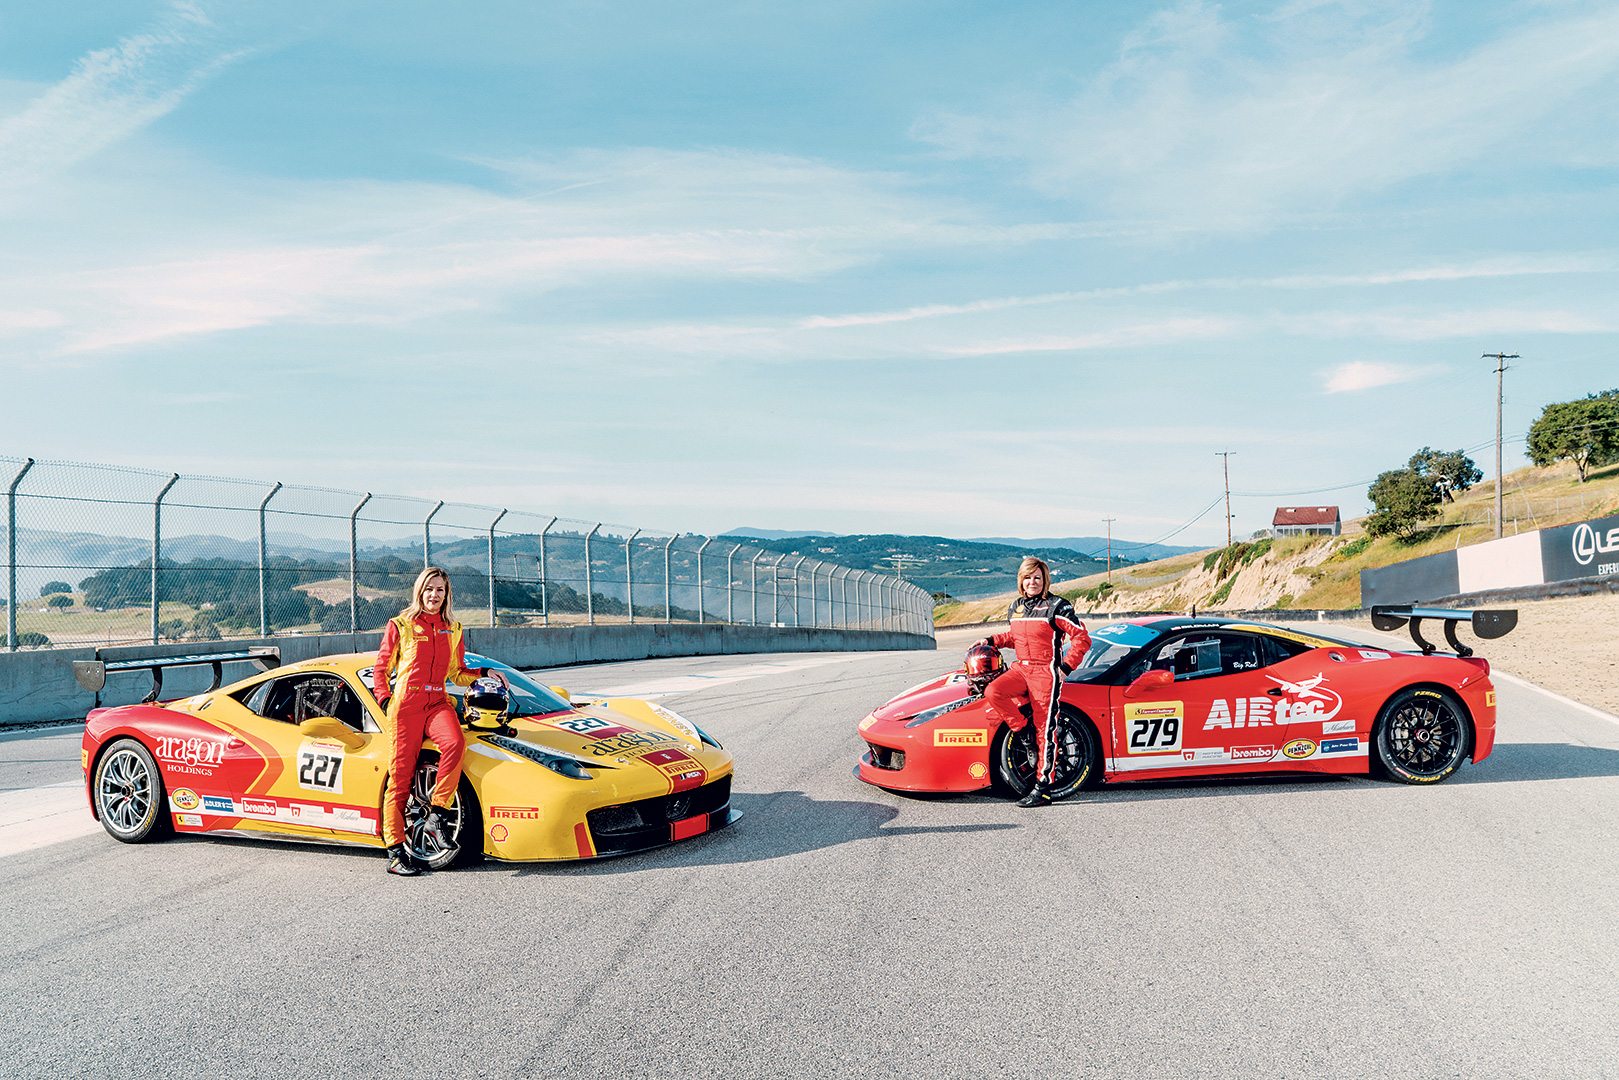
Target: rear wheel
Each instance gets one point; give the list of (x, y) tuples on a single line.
[(1421, 736), (128, 791), (1078, 756), (463, 842)]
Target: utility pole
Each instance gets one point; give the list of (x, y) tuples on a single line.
[(1226, 454), (1500, 369), (1110, 522)]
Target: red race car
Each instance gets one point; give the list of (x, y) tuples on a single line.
[(1167, 698)]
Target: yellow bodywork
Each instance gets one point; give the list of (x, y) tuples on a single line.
[(322, 779)]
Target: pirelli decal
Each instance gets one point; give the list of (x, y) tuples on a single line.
[(960, 737)]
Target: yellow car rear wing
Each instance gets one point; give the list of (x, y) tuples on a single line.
[(92, 674)]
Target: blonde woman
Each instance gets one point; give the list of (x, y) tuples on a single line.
[(1032, 687), (421, 649)]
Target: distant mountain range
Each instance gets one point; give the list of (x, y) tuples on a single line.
[(773, 534), (1096, 546)]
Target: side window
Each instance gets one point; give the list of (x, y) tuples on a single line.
[(297, 698), (1275, 650), (1201, 655)]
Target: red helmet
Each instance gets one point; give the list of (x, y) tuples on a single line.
[(984, 663)]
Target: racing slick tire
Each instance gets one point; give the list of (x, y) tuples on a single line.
[(1422, 736), (128, 790), (1079, 756), (465, 844)]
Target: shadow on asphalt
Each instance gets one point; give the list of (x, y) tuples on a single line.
[(773, 825)]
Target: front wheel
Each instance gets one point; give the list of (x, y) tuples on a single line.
[(1078, 756), (464, 842), (1421, 736), (129, 793)]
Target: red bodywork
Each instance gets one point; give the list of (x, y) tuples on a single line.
[(1312, 712)]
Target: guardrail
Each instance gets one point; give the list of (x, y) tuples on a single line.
[(104, 555)]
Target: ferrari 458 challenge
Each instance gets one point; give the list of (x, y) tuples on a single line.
[(299, 753), (1168, 698)]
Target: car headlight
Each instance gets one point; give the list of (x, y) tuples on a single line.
[(934, 714), (560, 764), (685, 725)]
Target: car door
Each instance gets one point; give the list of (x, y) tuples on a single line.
[(1216, 716), (333, 757)]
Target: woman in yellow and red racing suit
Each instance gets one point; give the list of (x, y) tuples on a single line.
[(1031, 688), (421, 648)]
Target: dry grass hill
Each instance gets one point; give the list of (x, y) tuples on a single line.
[(1321, 572)]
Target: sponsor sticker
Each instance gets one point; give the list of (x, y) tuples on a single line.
[(259, 808), (320, 766), (1337, 727), (1154, 727), (1489, 698), (1304, 702), (218, 804), (978, 770), (629, 742), (198, 756), (1340, 746), (528, 812), (960, 737), (184, 799), (1252, 753), (1298, 748), (867, 722), (84, 760), (1204, 753), (193, 820), (497, 833)]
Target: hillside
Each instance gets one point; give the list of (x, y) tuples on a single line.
[(1321, 572)]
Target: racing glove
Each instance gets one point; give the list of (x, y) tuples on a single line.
[(1064, 668)]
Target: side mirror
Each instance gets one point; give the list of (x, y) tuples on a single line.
[(563, 694), (327, 727), (1150, 683)]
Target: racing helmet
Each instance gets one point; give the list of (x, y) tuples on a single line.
[(984, 664), (488, 704)]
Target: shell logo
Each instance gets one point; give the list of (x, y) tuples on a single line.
[(1298, 748), (185, 799), (497, 833), (978, 770)]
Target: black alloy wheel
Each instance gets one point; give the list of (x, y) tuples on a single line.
[(1422, 736), (1078, 756)]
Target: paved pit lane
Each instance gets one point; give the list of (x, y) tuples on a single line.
[(1262, 928)]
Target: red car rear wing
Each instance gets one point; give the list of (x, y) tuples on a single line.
[(1486, 623)]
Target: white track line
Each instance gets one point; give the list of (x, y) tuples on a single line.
[(1570, 702), (35, 817)]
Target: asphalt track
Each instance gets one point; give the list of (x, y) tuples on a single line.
[(1262, 928)]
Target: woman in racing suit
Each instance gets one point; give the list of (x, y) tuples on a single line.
[(421, 648), (1031, 688)]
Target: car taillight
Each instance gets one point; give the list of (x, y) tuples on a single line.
[(1480, 662)]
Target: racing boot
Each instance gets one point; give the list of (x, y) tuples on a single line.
[(400, 862), (1037, 796)]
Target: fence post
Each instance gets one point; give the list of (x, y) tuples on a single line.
[(354, 566), (157, 546), (775, 589), (707, 540), (666, 544), (545, 603), (11, 555), (753, 586), (427, 535), (796, 589), (590, 581), (492, 525), (730, 586), (629, 576), (264, 616)]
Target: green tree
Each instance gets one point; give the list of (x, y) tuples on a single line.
[(1584, 432), (60, 601), (1404, 499), (54, 587), (1449, 472)]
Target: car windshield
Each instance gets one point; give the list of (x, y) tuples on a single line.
[(529, 698), (1109, 645)]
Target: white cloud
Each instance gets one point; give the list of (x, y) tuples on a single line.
[(1232, 122), (1366, 374), (110, 94)]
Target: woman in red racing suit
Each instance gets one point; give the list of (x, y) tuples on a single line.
[(1031, 688), (421, 648)]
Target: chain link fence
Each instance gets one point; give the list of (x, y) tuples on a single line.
[(105, 555)]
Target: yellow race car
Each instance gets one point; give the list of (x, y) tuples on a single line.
[(298, 753)]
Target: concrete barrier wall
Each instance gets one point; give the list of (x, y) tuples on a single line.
[(38, 686)]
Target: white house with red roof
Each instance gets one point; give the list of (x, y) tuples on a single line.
[(1306, 521)]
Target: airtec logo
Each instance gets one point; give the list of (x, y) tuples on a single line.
[(1307, 702), (960, 737)]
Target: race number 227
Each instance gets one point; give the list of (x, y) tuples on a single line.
[(321, 770)]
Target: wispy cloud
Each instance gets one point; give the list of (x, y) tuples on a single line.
[(1228, 122), (112, 93), (1366, 374)]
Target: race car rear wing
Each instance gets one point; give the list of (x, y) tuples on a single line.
[(92, 674), (1486, 623)]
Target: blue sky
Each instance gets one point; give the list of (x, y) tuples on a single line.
[(967, 269)]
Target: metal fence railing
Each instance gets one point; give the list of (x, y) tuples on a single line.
[(100, 555)]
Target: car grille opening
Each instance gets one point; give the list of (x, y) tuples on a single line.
[(884, 758), (645, 823)]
